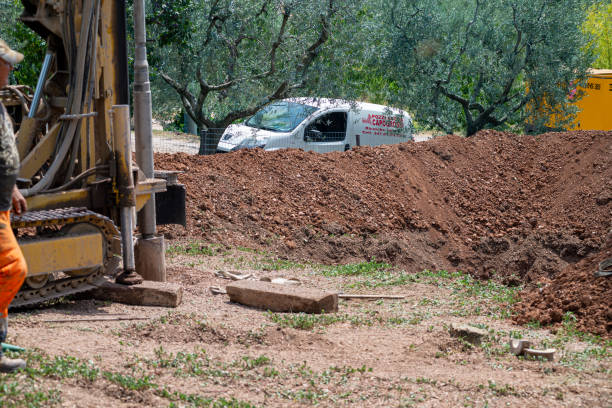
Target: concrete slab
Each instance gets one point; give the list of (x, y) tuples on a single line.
[(148, 293), (282, 298), (517, 346), (547, 354), (470, 334)]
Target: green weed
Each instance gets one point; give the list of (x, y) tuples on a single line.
[(250, 363), (130, 382), (370, 268), (180, 399), (61, 367), (26, 393), (306, 321), (191, 248)]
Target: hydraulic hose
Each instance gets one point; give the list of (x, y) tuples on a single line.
[(75, 104)]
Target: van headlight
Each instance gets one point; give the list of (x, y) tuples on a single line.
[(250, 144)]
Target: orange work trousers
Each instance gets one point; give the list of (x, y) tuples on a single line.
[(13, 266)]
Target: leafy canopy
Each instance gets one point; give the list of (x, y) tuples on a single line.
[(471, 64), (599, 25)]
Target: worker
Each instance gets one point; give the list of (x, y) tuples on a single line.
[(13, 267)]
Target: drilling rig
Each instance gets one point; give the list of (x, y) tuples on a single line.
[(91, 206)]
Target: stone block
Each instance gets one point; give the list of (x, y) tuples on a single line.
[(148, 293), (472, 335), (282, 298)]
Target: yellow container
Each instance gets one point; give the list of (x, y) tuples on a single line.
[(596, 104)]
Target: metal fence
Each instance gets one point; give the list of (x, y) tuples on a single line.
[(175, 142), (208, 142)]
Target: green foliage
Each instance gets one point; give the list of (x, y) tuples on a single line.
[(25, 393), (170, 22), (61, 367), (249, 363), (191, 248), (24, 40), (130, 382), (305, 321), (472, 64), (599, 25), (224, 60), (359, 269)]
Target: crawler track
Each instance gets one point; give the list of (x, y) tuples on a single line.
[(71, 284)]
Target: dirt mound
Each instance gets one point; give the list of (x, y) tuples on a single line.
[(517, 208), (575, 289)]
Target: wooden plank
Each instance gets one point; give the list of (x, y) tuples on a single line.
[(282, 298), (359, 296), (40, 153), (148, 293)]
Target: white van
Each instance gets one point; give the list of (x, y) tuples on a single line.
[(318, 124)]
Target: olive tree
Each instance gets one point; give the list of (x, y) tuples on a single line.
[(599, 25), (21, 38), (226, 59), (474, 64)]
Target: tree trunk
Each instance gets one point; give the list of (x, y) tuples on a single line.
[(190, 126), (208, 141)]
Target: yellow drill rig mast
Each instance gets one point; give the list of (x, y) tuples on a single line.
[(75, 148)]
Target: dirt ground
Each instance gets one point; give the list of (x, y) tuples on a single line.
[(500, 231), (380, 353), (514, 208)]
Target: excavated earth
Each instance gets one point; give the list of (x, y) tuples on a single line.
[(523, 210)]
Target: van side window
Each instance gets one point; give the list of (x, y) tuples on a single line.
[(327, 128)]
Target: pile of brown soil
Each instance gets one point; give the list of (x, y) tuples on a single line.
[(575, 289), (498, 205)]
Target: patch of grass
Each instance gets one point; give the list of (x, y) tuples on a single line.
[(468, 286), (180, 399), (597, 348), (60, 367), (250, 250), (370, 268), (250, 363), (275, 264), (385, 275), (312, 396), (185, 364), (270, 372), (130, 382), (26, 393), (191, 248), (502, 390), (303, 321), (306, 321)]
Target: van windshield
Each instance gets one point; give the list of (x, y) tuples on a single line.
[(280, 116)]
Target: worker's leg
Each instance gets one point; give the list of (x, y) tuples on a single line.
[(12, 264), (12, 274)]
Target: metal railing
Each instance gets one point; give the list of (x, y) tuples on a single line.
[(208, 142)]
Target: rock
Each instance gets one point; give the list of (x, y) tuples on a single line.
[(517, 346), (556, 315), (148, 293), (470, 334), (282, 298), (547, 354)]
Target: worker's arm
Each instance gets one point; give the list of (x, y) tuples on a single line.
[(9, 161)]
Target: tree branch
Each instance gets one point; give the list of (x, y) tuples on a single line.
[(279, 93), (311, 53)]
